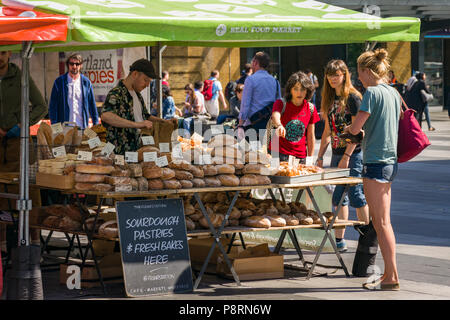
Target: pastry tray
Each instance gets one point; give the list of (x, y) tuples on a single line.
[(332, 173), (296, 179)]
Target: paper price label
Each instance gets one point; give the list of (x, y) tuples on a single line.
[(147, 140), (57, 128), (150, 156), (131, 157), (309, 161), (291, 161), (123, 188), (162, 161), (89, 133), (177, 152), (275, 162), (296, 162), (84, 155), (254, 145), (206, 159), (119, 160), (59, 152), (217, 129), (94, 142), (108, 149), (164, 147)]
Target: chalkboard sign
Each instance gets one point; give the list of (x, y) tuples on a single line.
[(154, 248)]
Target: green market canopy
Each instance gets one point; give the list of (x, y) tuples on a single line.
[(106, 24)]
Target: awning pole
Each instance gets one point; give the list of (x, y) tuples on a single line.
[(24, 204), (160, 52)]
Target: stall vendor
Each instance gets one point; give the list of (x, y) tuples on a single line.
[(124, 111)]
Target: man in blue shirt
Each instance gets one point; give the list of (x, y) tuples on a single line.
[(72, 98), (260, 91)]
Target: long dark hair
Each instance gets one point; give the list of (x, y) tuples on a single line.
[(305, 82), (166, 91)]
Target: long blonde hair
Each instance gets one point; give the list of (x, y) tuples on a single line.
[(329, 94), (377, 62)]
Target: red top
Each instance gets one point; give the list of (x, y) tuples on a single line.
[(296, 120), (165, 83)]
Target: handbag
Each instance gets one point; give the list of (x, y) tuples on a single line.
[(426, 97), (411, 139), (269, 125)]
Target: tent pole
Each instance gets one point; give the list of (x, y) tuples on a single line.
[(24, 203), (160, 52)]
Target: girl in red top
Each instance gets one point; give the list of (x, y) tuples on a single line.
[(295, 126)]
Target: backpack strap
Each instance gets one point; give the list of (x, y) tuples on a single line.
[(284, 105)]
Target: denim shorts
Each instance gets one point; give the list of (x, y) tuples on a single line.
[(285, 157), (355, 193), (381, 172)]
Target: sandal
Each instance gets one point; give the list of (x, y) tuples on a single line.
[(376, 285)]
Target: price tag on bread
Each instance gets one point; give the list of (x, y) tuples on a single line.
[(275, 162), (162, 161), (177, 152), (94, 143), (119, 160), (84, 155), (107, 149), (59, 152), (131, 157), (57, 128), (150, 156), (88, 132), (164, 147), (296, 162), (147, 140), (206, 159), (309, 161), (291, 161)]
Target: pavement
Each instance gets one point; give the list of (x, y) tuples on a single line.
[(420, 215)]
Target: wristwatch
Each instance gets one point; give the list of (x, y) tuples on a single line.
[(319, 158)]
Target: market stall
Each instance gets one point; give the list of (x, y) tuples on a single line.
[(101, 25)]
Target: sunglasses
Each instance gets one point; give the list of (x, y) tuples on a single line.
[(74, 64)]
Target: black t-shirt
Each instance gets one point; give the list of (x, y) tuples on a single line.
[(339, 119)]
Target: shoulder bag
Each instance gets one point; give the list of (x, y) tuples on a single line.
[(411, 139)]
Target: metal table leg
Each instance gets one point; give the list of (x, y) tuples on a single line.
[(216, 236), (89, 234), (327, 229)]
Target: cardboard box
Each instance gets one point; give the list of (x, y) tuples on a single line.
[(110, 267), (55, 181), (255, 263), (199, 249)]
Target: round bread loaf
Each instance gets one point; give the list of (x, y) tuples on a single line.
[(257, 222), (222, 140), (262, 180), (68, 224), (276, 221), (167, 174), (246, 213), (155, 184), (102, 161), (257, 157), (58, 210), (119, 172), (225, 169), (102, 187), (183, 175), (89, 224), (196, 215), (328, 215), (227, 151), (84, 177), (248, 180), (109, 229), (304, 219), (186, 184), (52, 221), (212, 182), (172, 184), (291, 220), (199, 183), (242, 204), (209, 170), (283, 208), (228, 180), (197, 172), (271, 210), (118, 180), (180, 165), (256, 168), (216, 220), (84, 186), (93, 168), (152, 172), (142, 184), (188, 209), (209, 197), (58, 139), (190, 225)]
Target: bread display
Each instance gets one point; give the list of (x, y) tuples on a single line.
[(228, 180), (82, 177), (109, 229), (225, 169), (94, 169), (257, 222), (155, 184)]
